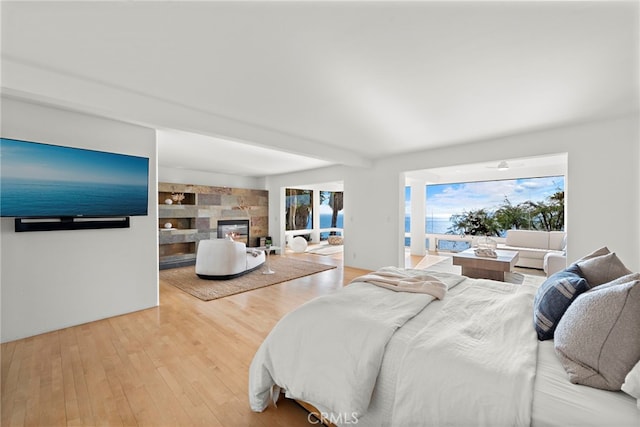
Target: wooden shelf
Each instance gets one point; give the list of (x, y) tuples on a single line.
[(189, 198)]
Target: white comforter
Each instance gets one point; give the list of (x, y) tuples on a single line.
[(328, 352), (474, 364)]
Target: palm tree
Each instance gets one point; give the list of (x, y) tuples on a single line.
[(475, 223), (547, 215), (510, 216), (335, 201)]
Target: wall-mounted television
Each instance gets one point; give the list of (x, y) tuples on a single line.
[(40, 180)]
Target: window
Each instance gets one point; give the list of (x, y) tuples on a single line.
[(331, 205), (299, 209)]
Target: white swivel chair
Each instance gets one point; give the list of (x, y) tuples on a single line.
[(219, 259)]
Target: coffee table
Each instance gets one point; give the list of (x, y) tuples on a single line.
[(484, 267)]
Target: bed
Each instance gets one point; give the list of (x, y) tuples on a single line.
[(378, 356)]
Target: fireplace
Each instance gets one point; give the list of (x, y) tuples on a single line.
[(237, 229)]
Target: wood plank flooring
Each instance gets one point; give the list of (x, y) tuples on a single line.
[(184, 363)]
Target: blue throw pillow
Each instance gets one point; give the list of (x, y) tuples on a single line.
[(553, 298)]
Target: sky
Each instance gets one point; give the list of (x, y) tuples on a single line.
[(444, 200), (29, 160)]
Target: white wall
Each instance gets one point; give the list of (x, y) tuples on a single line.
[(603, 189), (54, 279)]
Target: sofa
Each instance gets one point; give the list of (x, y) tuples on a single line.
[(533, 246), (220, 259)]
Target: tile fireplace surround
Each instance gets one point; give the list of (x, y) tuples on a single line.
[(196, 218)]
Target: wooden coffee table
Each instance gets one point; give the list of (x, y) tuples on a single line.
[(483, 267)]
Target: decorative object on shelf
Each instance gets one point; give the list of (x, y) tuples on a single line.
[(177, 197), (168, 202), (168, 225), (485, 252)]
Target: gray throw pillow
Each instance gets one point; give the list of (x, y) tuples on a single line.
[(598, 252), (602, 269), (597, 338)]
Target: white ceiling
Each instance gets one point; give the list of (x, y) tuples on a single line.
[(260, 88)]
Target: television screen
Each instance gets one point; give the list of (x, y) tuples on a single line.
[(41, 180)]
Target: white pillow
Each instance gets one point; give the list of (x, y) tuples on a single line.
[(631, 384)]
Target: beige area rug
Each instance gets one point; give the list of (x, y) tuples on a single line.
[(446, 265), (185, 278)]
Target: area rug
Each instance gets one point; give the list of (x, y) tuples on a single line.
[(325, 249), (185, 278)]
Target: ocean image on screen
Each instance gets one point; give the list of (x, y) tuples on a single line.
[(41, 180)]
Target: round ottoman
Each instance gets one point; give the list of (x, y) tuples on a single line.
[(298, 244)]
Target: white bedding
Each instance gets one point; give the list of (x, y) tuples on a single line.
[(555, 401), (474, 362), (328, 352), (558, 402)]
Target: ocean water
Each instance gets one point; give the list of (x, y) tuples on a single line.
[(325, 222), (23, 198), (437, 226)]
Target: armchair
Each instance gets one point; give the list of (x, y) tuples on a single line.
[(219, 259), (554, 262)]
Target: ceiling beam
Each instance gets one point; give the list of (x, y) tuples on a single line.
[(38, 83)]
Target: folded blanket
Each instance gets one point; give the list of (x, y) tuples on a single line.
[(399, 282), (253, 252)]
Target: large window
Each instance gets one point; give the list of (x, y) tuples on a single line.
[(492, 207), (407, 214), (299, 209), (331, 216)]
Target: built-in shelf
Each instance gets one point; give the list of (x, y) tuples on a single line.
[(196, 217)]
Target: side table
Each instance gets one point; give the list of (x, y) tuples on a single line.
[(267, 250)]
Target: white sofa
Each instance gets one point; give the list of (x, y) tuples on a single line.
[(219, 259), (554, 262), (533, 246)]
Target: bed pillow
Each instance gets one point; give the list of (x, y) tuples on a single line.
[(598, 252), (597, 339), (602, 269), (631, 384), (554, 297)]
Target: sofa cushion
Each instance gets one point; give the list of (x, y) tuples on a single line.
[(531, 253), (557, 240), (527, 239), (553, 298), (597, 339)]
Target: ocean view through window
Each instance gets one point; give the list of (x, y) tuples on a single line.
[(525, 203), (300, 206)]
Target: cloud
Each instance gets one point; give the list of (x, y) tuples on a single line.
[(448, 199)]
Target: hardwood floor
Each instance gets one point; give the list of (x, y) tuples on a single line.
[(180, 364)]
